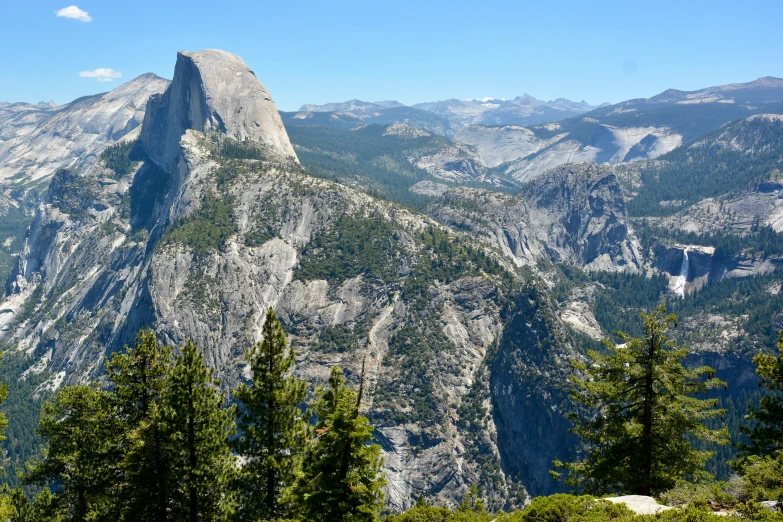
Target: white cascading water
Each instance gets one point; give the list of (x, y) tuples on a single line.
[(679, 285)]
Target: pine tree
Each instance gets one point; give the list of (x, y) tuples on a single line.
[(42, 508), (640, 415), (341, 478), (766, 433), (272, 427), (472, 501), (139, 379), (196, 424), (78, 426)]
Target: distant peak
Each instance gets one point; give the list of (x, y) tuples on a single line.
[(389, 104)]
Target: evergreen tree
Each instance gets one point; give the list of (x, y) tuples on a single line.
[(42, 508), (272, 427), (197, 426), (79, 427), (766, 434), (341, 478), (472, 501), (139, 377), (640, 415)]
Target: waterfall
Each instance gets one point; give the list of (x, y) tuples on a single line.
[(679, 285)]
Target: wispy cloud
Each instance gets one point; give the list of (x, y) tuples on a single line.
[(101, 74), (74, 13)]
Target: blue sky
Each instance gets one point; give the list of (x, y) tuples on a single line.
[(314, 52)]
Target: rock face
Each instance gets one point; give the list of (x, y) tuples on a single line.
[(580, 218), (212, 91), (36, 140), (526, 153), (197, 245), (574, 215)]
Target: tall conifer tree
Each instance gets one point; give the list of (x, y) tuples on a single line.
[(640, 414), (139, 377), (272, 428), (198, 427), (78, 425), (341, 478), (766, 431)]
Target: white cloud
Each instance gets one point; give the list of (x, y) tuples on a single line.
[(101, 74), (74, 13)]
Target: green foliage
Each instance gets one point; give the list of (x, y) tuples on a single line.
[(760, 241), (752, 510), (446, 257), (571, 508), (641, 415), (232, 149), (417, 344), (78, 427), (198, 427), (43, 507), (618, 303), (272, 427), (707, 169), (423, 513), (690, 513), (22, 409), (72, 193), (763, 477), (472, 502), (341, 475), (723, 495), (139, 378), (746, 298), (352, 246), (441, 514), (258, 236), (209, 226), (766, 432), (121, 157), (413, 348), (365, 156), (339, 338)]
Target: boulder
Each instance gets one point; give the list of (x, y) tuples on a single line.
[(640, 504)]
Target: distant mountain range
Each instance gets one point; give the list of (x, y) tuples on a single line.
[(522, 110), (524, 137)]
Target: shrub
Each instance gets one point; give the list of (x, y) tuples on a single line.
[(571, 508), (764, 477), (723, 494)]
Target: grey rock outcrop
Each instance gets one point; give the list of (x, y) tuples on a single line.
[(574, 215), (212, 91), (580, 218)]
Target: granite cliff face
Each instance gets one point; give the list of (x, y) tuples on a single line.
[(580, 215), (220, 221), (212, 91), (574, 215)]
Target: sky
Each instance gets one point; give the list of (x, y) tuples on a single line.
[(411, 51)]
